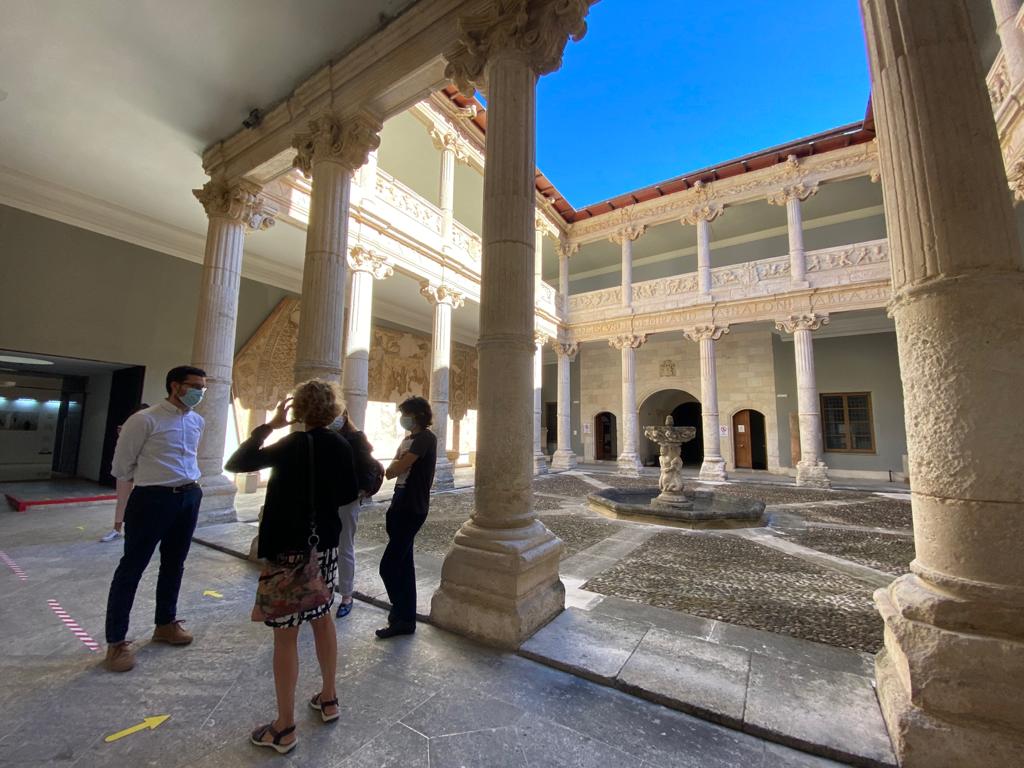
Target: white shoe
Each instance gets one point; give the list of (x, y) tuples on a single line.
[(114, 534)]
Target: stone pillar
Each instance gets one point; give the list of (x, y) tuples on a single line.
[(565, 252), (951, 674), (564, 457), (445, 299), (810, 470), (366, 267), (457, 415), (499, 582), (625, 237), (702, 216), (540, 461), (629, 459), (231, 210), (328, 153), (713, 466), (1010, 38), (791, 196), (451, 150)]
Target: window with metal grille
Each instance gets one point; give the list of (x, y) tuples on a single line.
[(846, 422)]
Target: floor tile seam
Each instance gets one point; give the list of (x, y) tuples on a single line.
[(902, 532), (632, 653), (495, 729), (585, 736)]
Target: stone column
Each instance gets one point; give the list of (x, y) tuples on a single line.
[(1011, 38), (328, 153), (445, 299), (952, 671), (499, 582), (540, 461), (702, 216), (565, 252), (810, 470), (625, 237), (451, 150), (366, 267), (564, 457), (629, 459), (792, 196), (231, 210), (713, 466)]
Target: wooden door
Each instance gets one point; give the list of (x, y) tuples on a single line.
[(741, 440)]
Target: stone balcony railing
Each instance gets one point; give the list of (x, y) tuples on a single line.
[(848, 265)]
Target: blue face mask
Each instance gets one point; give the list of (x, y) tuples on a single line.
[(191, 397), (407, 422)]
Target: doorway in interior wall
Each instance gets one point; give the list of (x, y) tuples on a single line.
[(689, 415), (604, 437), (750, 443), (125, 397)]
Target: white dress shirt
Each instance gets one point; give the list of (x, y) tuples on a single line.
[(158, 446)]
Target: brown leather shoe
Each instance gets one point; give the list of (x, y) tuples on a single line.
[(172, 634), (120, 657)]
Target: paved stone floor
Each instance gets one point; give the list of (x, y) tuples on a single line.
[(431, 700)]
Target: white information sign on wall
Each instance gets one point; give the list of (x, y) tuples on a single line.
[(741, 428), (723, 430), (586, 428)]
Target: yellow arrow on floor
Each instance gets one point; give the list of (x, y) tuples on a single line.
[(81, 527), (149, 722), (212, 593)]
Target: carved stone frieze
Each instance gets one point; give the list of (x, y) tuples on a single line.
[(535, 29), (849, 256), (240, 202), (768, 269), (628, 341), (363, 260), (805, 321), (396, 194), (608, 297), (1015, 178), (704, 332), (264, 368), (441, 294), (329, 138), (667, 369)]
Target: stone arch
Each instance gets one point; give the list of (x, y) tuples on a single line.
[(663, 401)]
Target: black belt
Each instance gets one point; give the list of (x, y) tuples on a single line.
[(173, 488)]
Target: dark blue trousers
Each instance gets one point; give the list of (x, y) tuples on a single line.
[(153, 516), (396, 564)]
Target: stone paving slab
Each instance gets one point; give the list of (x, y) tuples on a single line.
[(590, 645)]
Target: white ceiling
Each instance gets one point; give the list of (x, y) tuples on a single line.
[(117, 99)]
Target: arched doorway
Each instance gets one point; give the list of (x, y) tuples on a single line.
[(750, 443), (604, 437), (689, 415), (685, 410)]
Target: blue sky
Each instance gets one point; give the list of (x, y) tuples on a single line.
[(658, 88)]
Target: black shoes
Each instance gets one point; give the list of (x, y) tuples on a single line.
[(391, 630)]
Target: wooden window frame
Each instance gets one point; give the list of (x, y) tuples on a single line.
[(846, 420)]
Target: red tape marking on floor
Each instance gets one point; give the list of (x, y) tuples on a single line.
[(22, 505), (13, 566), (71, 624)]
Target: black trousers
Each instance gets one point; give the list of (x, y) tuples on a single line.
[(153, 516), (396, 564)]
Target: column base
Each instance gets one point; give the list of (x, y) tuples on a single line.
[(563, 460), (218, 505), (713, 469), (629, 464), (812, 475), (444, 474), (950, 697), (540, 464), (499, 586)]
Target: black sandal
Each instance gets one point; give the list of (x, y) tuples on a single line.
[(318, 704), (256, 737)]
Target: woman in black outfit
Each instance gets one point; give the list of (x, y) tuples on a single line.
[(414, 468), (285, 528)]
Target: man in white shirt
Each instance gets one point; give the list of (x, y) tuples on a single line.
[(158, 491)]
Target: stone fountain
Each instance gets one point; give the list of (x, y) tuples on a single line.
[(671, 502)]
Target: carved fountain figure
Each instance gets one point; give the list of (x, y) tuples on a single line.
[(670, 439)]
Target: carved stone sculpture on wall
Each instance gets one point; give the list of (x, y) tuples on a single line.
[(668, 368)]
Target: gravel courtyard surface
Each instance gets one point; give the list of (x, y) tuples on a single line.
[(891, 554), (884, 513), (729, 579), (565, 485)]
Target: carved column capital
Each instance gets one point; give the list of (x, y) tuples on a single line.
[(709, 211), (629, 232), (565, 348), (536, 30), (348, 142), (567, 248), (704, 332), (363, 260), (628, 340), (540, 338), (449, 140), (799, 191), (441, 294), (241, 202), (805, 321)]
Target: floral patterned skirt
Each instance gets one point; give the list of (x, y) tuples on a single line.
[(329, 570)]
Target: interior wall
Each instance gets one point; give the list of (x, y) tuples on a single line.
[(94, 425), (28, 431)]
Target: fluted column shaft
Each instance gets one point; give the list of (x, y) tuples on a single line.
[(713, 465), (444, 300), (629, 459), (704, 256), (564, 457), (447, 194), (797, 255), (1010, 37), (950, 677), (540, 463), (627, 272), (366, 267), (808, 406)]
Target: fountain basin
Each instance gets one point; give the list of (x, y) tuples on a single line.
[(706, 509)]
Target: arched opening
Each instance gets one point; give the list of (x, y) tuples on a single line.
[(605, 448), (750, 443), (685, 411)]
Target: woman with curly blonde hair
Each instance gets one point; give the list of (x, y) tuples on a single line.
[(285, 527)]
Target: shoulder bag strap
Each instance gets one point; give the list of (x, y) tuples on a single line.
[(314, 539)]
